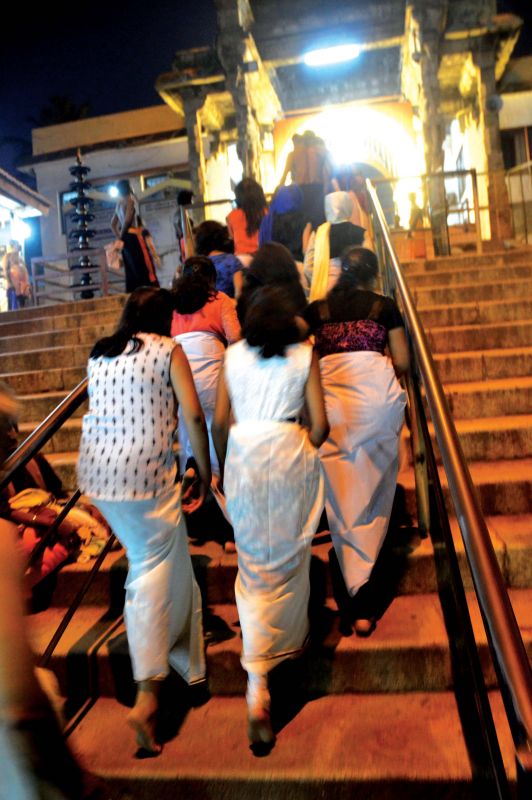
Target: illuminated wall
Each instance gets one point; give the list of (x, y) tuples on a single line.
[(382, 135)]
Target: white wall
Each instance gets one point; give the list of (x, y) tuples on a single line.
[(516, 110), (53, 178)]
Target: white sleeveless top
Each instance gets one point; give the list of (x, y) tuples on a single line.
[(267, 388), (126, 448)]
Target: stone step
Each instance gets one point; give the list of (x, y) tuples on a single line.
[(408, 652), (43, 360), (443, 266), (365, 747), (472, 292), (494, 438), (406, 565), (476, 313), (59, 322), (50, 380), (504, 487), (497, 335), (490, 398), (95, 305), (484, 439), (517, 255), (70, 337), (35, 407), (66, 438), (468, 275), (480, 365)]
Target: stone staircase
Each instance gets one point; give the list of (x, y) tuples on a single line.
[(357, 718)]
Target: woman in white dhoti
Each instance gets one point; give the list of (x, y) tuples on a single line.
[(355, 329), (127, 466), (273, 486), (204, 323), (322, 264)]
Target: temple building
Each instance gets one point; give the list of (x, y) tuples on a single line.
[(429, 87)]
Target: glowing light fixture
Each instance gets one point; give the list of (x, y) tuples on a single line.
[(331, 55), (20, 230), (112, 191)]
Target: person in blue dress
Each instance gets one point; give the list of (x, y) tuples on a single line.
[(213, 240)]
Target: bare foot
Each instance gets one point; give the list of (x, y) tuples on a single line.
[(142, 719), (260, 734)]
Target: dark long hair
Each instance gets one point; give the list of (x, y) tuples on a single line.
[(250, 198), (360, 270), (272, 265), (147, 310), (195, 288), (270, 323), (210, 236)]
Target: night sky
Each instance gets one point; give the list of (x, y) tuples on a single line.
[(107, 54), (102, 52)]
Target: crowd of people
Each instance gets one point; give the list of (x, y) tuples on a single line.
[(268, 376), (283, 407)]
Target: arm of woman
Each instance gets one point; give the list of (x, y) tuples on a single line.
[(319, 424), (220, 424), (230, 323), (398, 347), (187, 397), (305, 239), (237, 283), (287, 169)]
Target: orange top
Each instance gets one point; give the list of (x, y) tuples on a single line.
[(237, 224)]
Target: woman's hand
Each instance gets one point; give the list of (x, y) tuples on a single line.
[(193, 494)]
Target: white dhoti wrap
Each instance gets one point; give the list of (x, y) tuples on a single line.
[(205, 353), (163, 601), (275, 495), (365, 406)]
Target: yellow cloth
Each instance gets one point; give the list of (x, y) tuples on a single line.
[(320, 271)]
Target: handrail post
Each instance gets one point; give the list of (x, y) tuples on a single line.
[(476, 206), (419, 459), (508, 651), (523, 202)]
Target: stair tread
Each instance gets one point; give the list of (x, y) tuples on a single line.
[(411, 622), (514, 323), (341, 739), (494, 424), (490, 384), (466, 304), (517, 469), (503, 352), (462, 425)]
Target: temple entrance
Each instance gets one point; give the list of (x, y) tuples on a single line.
[(379, 144)]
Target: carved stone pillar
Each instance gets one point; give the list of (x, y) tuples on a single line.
[(430, 17), (489, 105), (193, 100), (237, 55)]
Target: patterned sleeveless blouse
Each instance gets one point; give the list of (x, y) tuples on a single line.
[(126, 449)]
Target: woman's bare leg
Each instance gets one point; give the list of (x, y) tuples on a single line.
[(143, 716)]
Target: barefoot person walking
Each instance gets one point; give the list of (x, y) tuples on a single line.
[(127, 466), (273, 486)]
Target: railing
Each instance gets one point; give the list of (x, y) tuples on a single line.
[(504, 638), (26, 451), (519, 182), (461, 210), (59, 279)]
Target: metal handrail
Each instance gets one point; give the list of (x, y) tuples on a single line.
[(43, 432), (501, 626)]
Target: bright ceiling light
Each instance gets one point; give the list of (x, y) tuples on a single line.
[(112, 191), (20, 230), (331, 55)]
